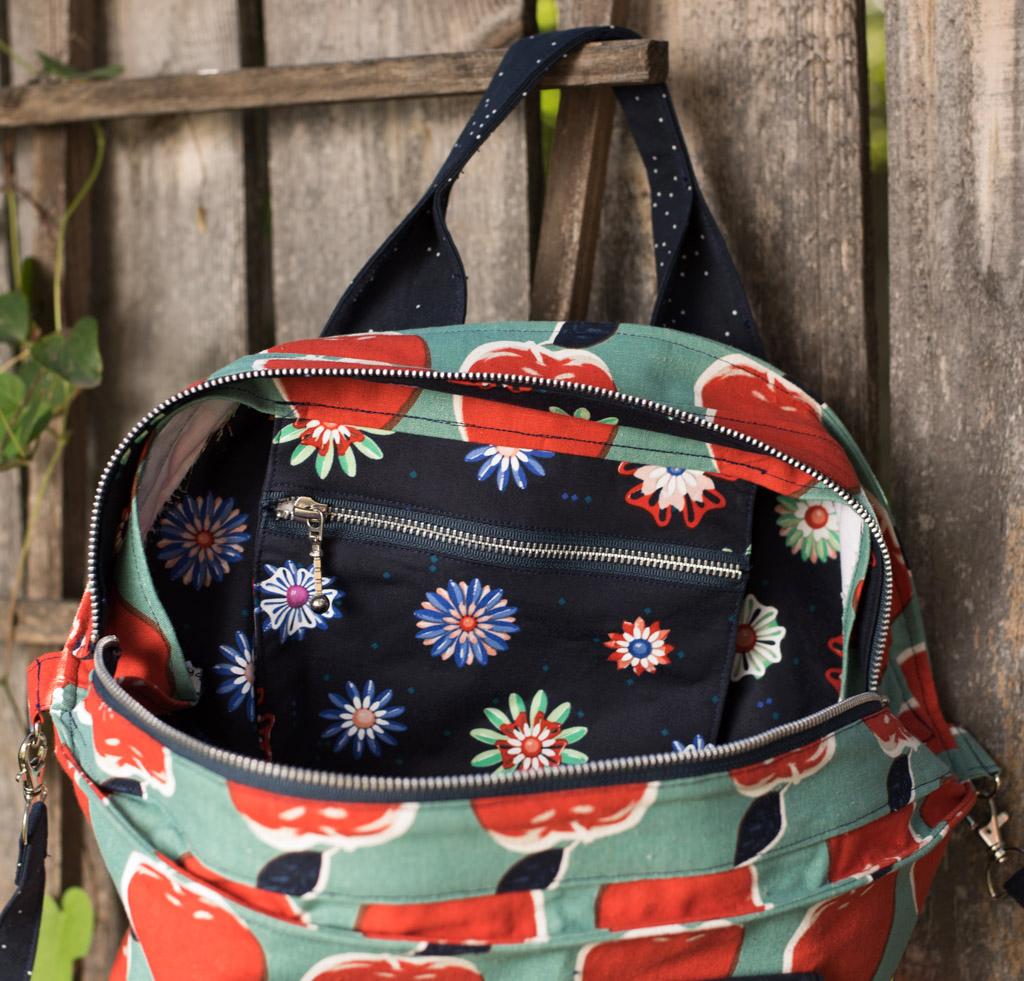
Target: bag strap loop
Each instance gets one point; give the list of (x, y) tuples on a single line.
[(416, 278)]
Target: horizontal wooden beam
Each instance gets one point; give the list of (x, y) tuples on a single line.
[(633, 62)]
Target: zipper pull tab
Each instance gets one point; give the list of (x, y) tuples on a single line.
[(312, 512)]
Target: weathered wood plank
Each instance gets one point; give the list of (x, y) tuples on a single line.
[(170, 252), (456, 73), (564, 266), (771, 98), (956, 179), (343, 176)]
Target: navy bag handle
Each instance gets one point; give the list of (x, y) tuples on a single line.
[(416, 278)]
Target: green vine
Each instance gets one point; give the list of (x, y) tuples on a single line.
[(48, 363)]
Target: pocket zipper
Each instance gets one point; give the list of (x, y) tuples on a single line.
[(494, 541)]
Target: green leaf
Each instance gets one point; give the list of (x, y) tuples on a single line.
[(59, 69), (29, 276), (287, 434), (539, 703), (486, 736), (324, 462), (65, 935), (496, 717), (301, 453), (347, 462), (489, 757), (46, 395), (573, 734), (516, 705), (73, 354), (560, 713), (14, 317), (573, 757), (12, 395), (368, 447)]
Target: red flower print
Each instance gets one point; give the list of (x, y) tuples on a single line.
[(646, 903), (834, 675), (844, 938), (499, 423), (123, 750), (537, 822), (687, 955), (790, 768), (665, 491), (753, 399), (890, 733), (504, 918), (639, 646), (295, 823), (186, 929), (383, 967)]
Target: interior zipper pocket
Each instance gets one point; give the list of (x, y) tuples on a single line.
[(501, 545)]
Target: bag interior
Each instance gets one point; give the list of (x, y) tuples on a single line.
[(438, 651)]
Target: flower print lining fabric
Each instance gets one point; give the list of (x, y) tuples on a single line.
[(419, 651)]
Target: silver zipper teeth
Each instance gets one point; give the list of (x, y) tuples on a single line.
[(523, 549), (332, 780), (460, 781)]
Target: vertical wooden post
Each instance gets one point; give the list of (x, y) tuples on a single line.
[(342, 177), (956, 200), (574, 189), (771, 97)]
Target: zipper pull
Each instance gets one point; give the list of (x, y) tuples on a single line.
[(312, 512)]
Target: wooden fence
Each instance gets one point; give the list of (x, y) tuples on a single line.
[(215, 233)]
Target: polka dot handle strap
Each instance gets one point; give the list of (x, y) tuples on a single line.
[(416, 278)]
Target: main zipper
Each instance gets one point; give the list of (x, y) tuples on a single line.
[(499, 378), (399, 788), (315, 514)]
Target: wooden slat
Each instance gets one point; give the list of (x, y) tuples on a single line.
[(170, 254), (564, 265), (956, 179), (770, 95), (343, 176), (452, 73), (44, 622)]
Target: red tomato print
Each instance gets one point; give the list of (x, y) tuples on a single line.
[(274, 904), (537, 822), (844, 938), (949, 802), (294, 823), (923, 872), (746, 396), (186, 929), (921, 714), (684, 899), (501, 424), (785, 770), (346, 400), (505, 918), (689, 955), (123, 750), (873, 846), (378, 967), (890, 733)]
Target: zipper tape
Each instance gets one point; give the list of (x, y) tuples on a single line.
[(327, 784)]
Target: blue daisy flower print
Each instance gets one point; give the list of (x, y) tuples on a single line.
[(469, 623), (239, 672), (508, 461), (200, 538), (363, 720), (287, 591), (689, 749)]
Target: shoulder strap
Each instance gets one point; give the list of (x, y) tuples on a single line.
[(416, 278), (20, 919)]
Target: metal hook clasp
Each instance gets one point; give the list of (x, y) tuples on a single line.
[(991, 835), (32, 755)]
